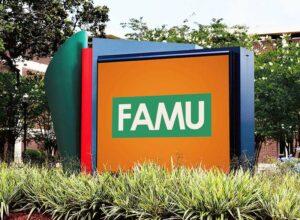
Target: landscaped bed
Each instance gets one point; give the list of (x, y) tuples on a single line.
[(24, 216), (148, 192)]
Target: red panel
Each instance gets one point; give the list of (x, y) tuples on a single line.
[(86, 111)]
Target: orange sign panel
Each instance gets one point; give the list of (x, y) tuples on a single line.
[(168, 110)]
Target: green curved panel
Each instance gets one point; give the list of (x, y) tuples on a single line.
[(63, 89)]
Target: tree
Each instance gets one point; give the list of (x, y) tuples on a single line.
[(216, 34), (38, 28), (10, 113), (38, 114), (1, 29), (38, 118), (277, 91), (30, 28)]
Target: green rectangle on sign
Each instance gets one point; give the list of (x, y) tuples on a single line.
[(162, 116)]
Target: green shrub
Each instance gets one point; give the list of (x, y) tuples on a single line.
[(150, 192), (291, 165), (34, 156)]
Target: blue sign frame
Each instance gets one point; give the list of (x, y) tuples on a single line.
[(241, 94)]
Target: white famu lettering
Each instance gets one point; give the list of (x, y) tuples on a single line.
[(188, 115), (142, 110), (169, 121), (162, 116), (123, 115), (142, 116)]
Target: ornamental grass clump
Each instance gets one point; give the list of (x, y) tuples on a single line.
[(142, 193), (10, 184), (280, 196), (63, 195), (150, 192), (198, 194)]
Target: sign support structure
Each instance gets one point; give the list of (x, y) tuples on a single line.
[(240, 99), (151, 101)]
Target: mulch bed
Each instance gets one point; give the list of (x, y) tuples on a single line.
[(24, 216)]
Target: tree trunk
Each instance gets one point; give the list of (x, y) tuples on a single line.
[(257, 151), (11, 140), (258, 144), (10, 63), (2, 143)]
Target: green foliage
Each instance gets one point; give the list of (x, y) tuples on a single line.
[(10, 112), (62, 195), (151, 192), (34, 156), (12, 107), (10, 101), (277, 90), (38, 28), (280, 197), (291, 165), (1, 28), (216, 34), (38, 112), (10, 181), (215, 194)]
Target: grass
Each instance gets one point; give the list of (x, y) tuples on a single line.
[(150, 192)]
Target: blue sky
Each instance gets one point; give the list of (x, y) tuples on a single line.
[(259, 15)]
